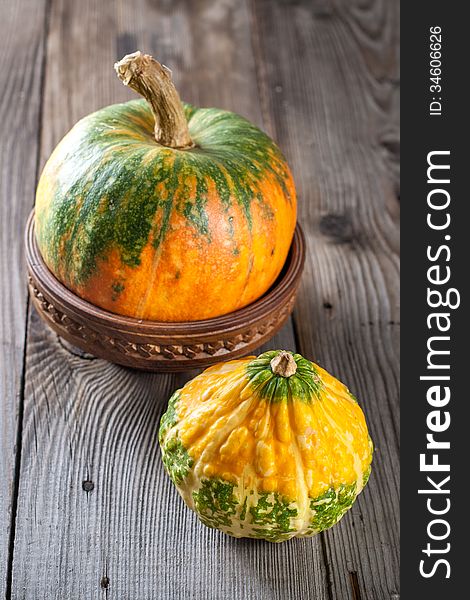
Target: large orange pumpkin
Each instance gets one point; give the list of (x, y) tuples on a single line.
[(163, 211)]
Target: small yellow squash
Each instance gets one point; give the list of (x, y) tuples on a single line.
[(270, 447)]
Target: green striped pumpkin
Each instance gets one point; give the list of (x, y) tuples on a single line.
[(188, 229)]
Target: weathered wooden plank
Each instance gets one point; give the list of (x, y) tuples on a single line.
[(21, 53), (97, 517), (328, 75)]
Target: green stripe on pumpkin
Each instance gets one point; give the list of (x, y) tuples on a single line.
[(113, 183)]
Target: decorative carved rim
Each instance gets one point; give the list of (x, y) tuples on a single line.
[(161, 346)]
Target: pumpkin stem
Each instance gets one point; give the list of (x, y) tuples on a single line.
[(153, 81), (283, 364)]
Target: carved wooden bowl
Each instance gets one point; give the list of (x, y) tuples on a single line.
[(161, 346)]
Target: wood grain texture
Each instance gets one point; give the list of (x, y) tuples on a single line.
[(97, 516), (328, 76), (21, 52)]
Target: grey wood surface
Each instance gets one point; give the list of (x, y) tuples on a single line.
[(92, 513), (22, 36)]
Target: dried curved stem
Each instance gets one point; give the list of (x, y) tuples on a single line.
[(153, 81)]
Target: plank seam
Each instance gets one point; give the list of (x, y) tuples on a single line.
[(47, 20), (354, 581), (21, 395), (260, 74), (17, 469), (329, 579)]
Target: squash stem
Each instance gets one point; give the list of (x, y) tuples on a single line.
[(283, 364), (150, 79)]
